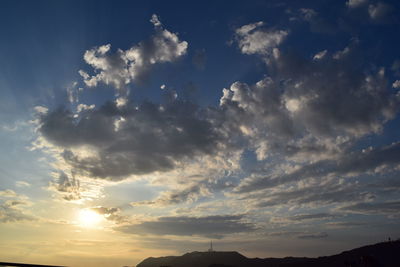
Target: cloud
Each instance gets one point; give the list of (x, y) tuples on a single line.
[(395, 68), (349, 164), (396, 84), (73, 93), (307, 113), (68, 187), (321, 89), (132, 140), (379, 160), (40, 109), (22, 184), (300, 218), (12, 215), (320, 55), (209, 226), (317, 23), (199, 59), (308, 108), (386, 186), (346, 224), (10, 211), (301, 121), (13, 203), (8, 193), (372, 208), (111, 214), (190, 92), (123, 67), (188, 194), (105, 211), (342, 53), (256, 39), (308, 13), (379, 11), (255, 107), (313, 236), (315, 216), (82, 107), (155, 21), (356, 3), (314, 196), (299, 234)]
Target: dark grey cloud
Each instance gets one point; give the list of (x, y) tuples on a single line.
[(389, 208), (209, 226), (131, 140), (299, 234)]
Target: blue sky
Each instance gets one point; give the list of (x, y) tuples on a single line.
[(134, 129)]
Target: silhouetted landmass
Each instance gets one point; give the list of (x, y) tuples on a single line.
[(386, 254), (14, 264)]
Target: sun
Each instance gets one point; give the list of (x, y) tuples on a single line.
[(89, 218)]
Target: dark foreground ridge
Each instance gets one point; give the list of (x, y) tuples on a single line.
[(386, 254), (14, 264)]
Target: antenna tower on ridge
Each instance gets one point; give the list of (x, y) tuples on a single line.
[(211, 247)]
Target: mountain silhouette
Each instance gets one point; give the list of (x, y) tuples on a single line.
[(386, 254)]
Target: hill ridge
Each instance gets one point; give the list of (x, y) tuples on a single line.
[(384, 254)]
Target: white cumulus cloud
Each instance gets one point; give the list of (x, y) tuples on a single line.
[(125, 66), (256, 39)]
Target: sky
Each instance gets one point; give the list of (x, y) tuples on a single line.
[(131, 129)]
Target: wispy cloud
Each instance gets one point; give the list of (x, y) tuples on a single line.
[(388, 208), (299, 234), (208, 226)]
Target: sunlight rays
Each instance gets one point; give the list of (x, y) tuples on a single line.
[(88, 218)]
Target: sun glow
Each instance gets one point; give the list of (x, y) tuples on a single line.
[(89, 218)]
